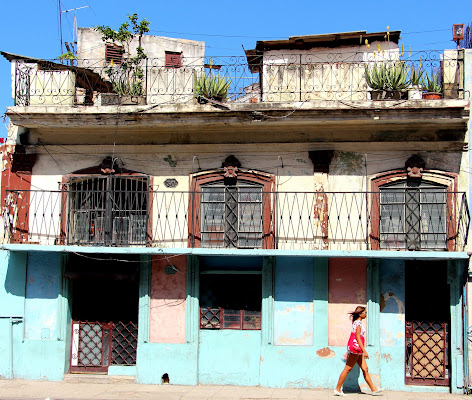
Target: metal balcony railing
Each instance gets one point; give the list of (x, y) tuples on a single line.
[(282, 78), (388, 220)]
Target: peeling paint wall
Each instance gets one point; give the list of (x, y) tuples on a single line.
[(392, 323), (168, 300), (42, 290), (347, 290), (29, 288), (293, 309)]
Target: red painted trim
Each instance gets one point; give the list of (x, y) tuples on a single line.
[(268, 185), (448, 179), (20, 181)]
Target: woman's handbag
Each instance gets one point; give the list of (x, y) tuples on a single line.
[(352, 344)]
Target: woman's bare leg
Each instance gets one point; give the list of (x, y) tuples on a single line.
[(365, 371), (350, 362)]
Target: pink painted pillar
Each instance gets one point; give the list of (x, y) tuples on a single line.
[(347, 283), (168, 300)]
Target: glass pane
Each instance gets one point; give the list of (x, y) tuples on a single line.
[(250, 217), (433, 196), (252, 320), (250, 194), (250, 241), (213, 217), (392, 218), (392, 196), (212, 239), (432, 218), (231, 319), (210, 194)]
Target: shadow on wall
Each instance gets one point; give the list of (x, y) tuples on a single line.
[(16, 274), (351, 384)]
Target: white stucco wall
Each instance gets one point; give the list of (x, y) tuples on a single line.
[(321, 73)]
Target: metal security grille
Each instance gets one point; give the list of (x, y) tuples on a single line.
[(124, 343), (108, 210), (232, 216), (219, 318), (413, 217), (97, 345), (426, 353)]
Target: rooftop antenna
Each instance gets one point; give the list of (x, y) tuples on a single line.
[(74, 29)]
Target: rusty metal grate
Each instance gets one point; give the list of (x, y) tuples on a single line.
[(124, 343), (97, 345), (219, 318), (426, 353)]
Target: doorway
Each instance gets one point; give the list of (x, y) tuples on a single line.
[(427, 327), (104, 297)]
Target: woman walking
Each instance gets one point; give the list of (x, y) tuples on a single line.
[(357, 353)]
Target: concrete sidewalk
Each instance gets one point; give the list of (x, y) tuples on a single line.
[(119, 388)]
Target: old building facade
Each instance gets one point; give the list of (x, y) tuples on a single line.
[(184, 237)]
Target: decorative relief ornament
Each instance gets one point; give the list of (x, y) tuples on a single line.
[(415, 166)]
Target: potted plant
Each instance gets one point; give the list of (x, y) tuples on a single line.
[(387, 80), (432, 86), (415, 90), (128, 76), (210, 87)]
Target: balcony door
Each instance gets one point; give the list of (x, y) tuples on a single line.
[(108, 210), (235, 213)]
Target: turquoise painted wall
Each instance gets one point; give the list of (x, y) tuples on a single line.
[(30, 287), (392, 323), (293, 307), (179, 361), (12, 298), (229, 357)]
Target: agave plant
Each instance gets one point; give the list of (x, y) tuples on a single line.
[(416, 75), (376, 76), (433, 84), (397, 76), (387, 76), (211, 87)]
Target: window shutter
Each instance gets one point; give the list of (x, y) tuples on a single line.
[(173, 59), (113, 53)]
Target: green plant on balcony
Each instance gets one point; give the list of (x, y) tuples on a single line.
[(416, 75), (432, 85), (415, 89), (387, 79), (213, 87), (127, 77)]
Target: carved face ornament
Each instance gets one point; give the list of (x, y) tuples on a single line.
[(231, 171), (415, 172)]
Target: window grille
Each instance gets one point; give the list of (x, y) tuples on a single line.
[(219, 318), (108, 211), (413, 216), (232, 216), (173, 59)]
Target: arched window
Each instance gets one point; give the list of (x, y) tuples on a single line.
[(414, 214), (231, 213)]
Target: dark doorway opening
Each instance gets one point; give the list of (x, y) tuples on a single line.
[(104, 308), (427, 315)]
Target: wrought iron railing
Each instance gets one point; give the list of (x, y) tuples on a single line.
[(333, 76), (253, 219)]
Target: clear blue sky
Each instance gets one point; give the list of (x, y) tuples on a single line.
[(31, 27)]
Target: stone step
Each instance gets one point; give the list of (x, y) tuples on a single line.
[(98, 378)]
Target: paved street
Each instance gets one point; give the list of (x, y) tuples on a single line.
[(121, 388)]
